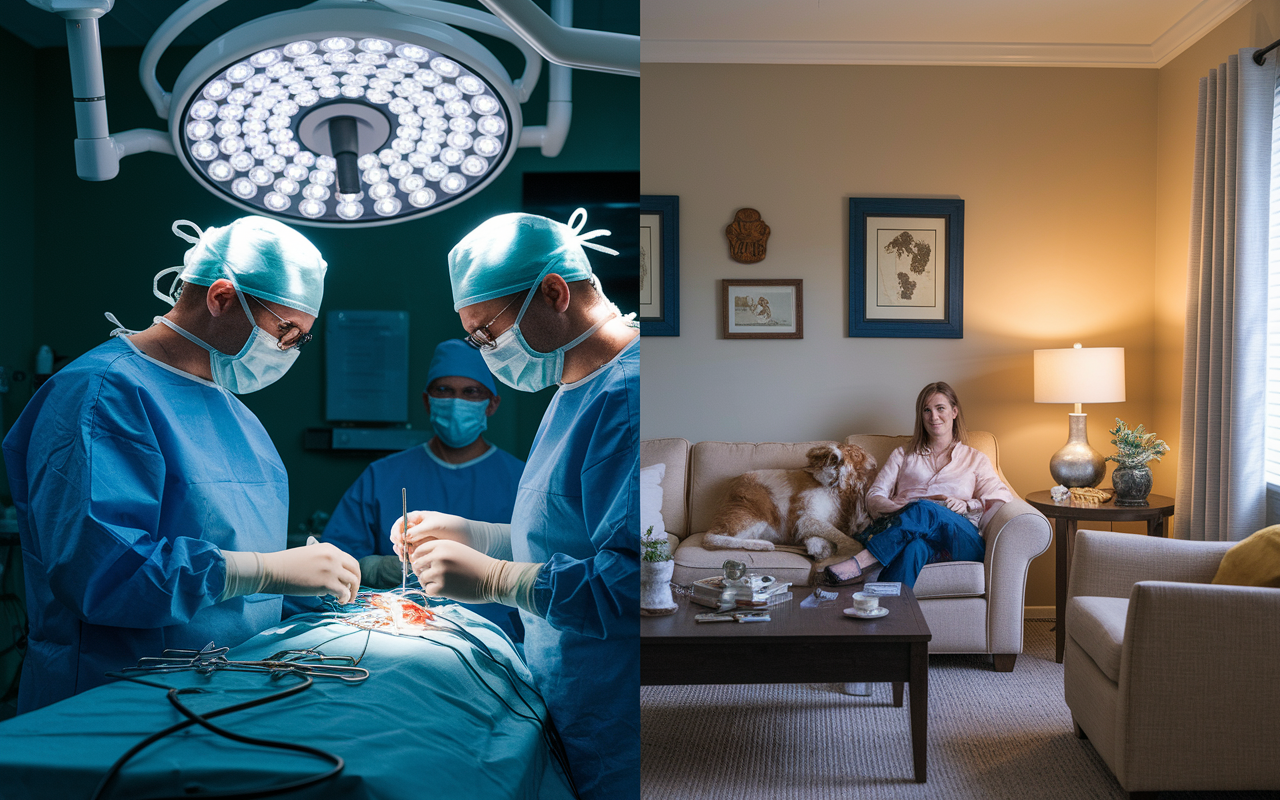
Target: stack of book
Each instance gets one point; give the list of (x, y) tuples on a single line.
[(765, 592)]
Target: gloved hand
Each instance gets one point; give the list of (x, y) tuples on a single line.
[(314, 570), (381, 572), (486, 537), (450, 569), (424, 525)]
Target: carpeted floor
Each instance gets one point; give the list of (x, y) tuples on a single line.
[(991, 736)]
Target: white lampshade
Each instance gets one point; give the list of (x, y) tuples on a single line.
[(1080, 375)]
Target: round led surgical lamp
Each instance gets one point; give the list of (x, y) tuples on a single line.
[(336, 115), (343, 113)]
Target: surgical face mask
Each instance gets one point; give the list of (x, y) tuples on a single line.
[(259, 363), (459, 422), (515, 363)]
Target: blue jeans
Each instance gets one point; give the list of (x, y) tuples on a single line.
[(922, 532)]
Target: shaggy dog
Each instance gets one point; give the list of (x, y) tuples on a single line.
[(818, 507)]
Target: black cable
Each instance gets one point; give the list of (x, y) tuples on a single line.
[(203, 720)]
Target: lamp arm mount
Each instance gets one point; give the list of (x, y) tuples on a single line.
[(600, 51), (164, 35)]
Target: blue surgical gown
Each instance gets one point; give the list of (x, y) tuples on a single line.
[(481, 489), (578, 510), (129, 479)]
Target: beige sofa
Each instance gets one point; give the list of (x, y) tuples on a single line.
[(1172, 679), (970, 607)]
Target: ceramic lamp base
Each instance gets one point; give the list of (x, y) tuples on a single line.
[(1077, 464)]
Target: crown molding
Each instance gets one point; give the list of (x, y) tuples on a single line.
[(1195, 24)]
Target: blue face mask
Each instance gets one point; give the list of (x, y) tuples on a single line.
[(259, 363), (459, 422), (515, 363)]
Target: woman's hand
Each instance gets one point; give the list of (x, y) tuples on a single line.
[(956, 504)]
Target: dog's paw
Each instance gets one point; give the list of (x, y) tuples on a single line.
[(818, 548)]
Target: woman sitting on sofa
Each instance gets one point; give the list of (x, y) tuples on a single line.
[(929, 498)]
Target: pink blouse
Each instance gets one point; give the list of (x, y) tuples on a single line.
[(967, 476)]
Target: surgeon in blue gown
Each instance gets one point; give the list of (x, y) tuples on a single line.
[(456, 472), (570, 560), (152, 505)]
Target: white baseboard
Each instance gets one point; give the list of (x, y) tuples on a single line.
[(1039, 612)]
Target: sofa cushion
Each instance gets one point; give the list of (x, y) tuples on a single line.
[(675, 454), (714, 465), (951, 579), (1097, 625), (1253, 561), (651, 500), (694, 562)]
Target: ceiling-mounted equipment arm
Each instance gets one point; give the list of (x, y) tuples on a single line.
[(98, 153), (601, 51), (164, 35)]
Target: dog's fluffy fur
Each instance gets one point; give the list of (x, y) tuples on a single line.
[(818, 507)]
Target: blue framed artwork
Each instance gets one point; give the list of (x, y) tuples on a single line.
[(906, 268), (659, 265)]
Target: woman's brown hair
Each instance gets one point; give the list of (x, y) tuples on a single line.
[(959, 433)]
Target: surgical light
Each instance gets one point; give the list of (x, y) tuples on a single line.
[(344, 112)]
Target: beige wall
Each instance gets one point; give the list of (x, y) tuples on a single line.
[(1057, 171), (1255, 25)]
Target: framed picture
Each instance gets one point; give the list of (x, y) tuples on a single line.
[(906, 268), (762, 309), (659, 265)]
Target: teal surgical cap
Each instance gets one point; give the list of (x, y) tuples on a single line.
[(507, 253), (456, 357), (263, 257)]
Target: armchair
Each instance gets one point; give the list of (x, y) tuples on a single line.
[(1171, 678)]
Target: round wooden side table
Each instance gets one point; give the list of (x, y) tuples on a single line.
[(1066, 517)]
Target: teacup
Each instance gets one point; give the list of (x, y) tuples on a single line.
[(865, 603)]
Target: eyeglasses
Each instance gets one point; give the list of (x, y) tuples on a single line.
[(481, 338), (292, 337)]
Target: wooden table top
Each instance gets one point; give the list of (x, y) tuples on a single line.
[(1157, 505), (904, 622)]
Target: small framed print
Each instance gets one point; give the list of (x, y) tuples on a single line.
[(659, 265), (906, 268), (762, 309)]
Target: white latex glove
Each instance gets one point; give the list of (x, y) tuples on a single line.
[(450, 569), (381, 572), (314, 570), (486, 537)]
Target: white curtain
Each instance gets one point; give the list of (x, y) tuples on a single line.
[(1221, 492)]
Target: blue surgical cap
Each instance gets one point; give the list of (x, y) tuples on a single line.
[(263, 257), (456, 357), (507, 253)]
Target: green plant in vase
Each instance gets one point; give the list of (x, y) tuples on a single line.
[(1132, 477), (656, 569)]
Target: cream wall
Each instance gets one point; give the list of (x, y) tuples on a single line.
[(1255, 25), (1057, 168)]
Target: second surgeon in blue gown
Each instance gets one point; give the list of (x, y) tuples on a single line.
[(570, 560), (457, 472)]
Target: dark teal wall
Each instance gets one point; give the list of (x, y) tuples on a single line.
[(97, 246), (17, 227)]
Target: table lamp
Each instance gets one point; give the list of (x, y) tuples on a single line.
[(1079, 375)]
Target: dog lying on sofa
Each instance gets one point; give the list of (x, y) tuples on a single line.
[(818, 507)]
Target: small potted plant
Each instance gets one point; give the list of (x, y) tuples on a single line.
[(1132, 477), (656, 568)]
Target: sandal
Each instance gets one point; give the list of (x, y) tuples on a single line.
[(844, 573)]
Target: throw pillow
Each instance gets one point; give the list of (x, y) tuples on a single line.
[(651, 499), (1253, 561)]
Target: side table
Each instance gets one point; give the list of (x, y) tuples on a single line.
[(1068, 514)]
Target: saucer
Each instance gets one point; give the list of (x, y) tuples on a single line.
[(853, 612)]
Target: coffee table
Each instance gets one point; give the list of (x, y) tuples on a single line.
[(798, 645)]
